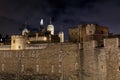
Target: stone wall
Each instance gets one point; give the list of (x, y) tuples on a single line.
[(100, 63), (44, 61), (17, 42), (89, 62)]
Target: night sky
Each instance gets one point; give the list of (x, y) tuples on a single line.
[(64, 13)]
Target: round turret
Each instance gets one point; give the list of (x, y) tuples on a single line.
[(61, 36), (17, 42), (25, 31), (51, 29)]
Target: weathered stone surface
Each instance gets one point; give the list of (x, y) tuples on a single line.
[(43, 58), (88, 62)]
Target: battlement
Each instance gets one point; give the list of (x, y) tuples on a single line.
[(107, 43), (111, 42), (46, 57)]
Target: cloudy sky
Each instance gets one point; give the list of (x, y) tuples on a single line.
[(64, 13)]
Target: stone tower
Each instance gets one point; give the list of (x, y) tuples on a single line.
[(51, 28), (17, 42), (61, 36)]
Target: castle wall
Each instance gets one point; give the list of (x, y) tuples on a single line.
[(87, 32), (87, 62), (102, 70), (112, 51), (42, 61), (111, 43), (100, 63)]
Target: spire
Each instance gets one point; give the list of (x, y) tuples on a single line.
[(26, 24), (50, 20), (61, 28), (41, 22), (25, 30)]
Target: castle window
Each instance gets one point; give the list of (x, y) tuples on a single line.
[(102, 32), (60, 66), (37, 68), (3, 67), (102, 67), (73, 33), (81, 39), (4, 54), (60, 57), (19, 47), (119, 68), (22, 68), (13, 41), (22, 55), (76, 66), (52, 69), (90, 32)]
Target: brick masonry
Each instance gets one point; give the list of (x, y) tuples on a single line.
[(90, 62)]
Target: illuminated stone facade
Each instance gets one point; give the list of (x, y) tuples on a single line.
[(18, 42), (55, 59), (87, 32), (85, 61)]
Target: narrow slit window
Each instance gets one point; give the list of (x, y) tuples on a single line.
[(102, 67), (119, 68)]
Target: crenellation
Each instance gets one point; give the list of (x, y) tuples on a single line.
[(111, 43)]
